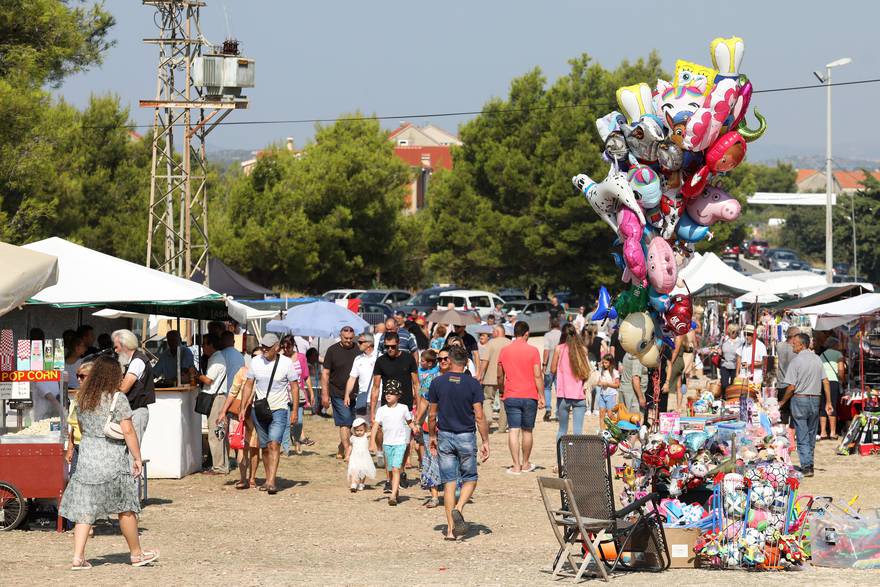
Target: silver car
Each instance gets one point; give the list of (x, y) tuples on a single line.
[(534, 313)]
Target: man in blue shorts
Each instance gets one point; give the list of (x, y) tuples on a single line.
[(455, 414), (338, 361)]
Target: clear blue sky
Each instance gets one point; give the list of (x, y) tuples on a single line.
[(321, 59)]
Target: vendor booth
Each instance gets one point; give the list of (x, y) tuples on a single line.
[(89, 279)]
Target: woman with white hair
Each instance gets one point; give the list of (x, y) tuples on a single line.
[(137, 382)]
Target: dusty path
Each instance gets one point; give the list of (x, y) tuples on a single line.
[(314, 531)]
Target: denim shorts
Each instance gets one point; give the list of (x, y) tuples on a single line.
[(275, 433), (606, 401), (457, 454), (521, 412), (343, 415), (393, 455)]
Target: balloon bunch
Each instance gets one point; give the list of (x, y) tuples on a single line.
[(664, 150)]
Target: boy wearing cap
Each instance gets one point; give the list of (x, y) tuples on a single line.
[(395, 420)]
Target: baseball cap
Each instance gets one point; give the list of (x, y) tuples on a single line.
[(749, 329), (269, 339), (392, 387)]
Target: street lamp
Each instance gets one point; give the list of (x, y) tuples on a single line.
[(829, 179)]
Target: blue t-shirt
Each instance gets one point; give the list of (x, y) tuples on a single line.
[(455, 395), (234, 361), (426, 376)]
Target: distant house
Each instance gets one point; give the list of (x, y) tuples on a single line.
[(247, 167), (845, 182), (424, 148)]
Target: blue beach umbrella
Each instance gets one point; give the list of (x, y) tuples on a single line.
[(324, 319)]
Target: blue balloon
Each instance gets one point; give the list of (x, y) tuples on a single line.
[(618, 260), (659, 302), (689, 231), (604, 309)]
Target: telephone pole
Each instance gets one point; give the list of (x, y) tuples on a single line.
[(197, 86)]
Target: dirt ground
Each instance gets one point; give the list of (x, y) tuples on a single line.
[(315, 531)]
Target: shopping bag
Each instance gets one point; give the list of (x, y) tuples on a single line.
[(236, 437)]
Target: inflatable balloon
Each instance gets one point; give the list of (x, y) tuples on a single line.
[(651, 357), (662, 270), (607, 197), (675, 105), (752, 135), (705, 125), (666, 215), (658, 302), (631, 301), (715, 205), (636, 333), (688, 231), (726, 153), (609, 127), (604, 309), (727, 56), (630, 230), (691, 74), (635, 101), (678, 316), (645, 183)]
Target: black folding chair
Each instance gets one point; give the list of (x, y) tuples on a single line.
[(634, 531)]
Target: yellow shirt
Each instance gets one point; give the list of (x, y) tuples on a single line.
[(73, 422)]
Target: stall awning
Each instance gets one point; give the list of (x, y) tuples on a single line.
[(87, 278), (709, 274), (25, 273), (834, 314)]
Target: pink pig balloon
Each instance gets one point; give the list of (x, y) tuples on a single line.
[(630, 230), (712, 206), (662, 271)]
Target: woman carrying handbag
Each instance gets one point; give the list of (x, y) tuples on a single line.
[(109, 463)]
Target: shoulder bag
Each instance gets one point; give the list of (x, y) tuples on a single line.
[(261, 406), (205, 400), (112, 429)]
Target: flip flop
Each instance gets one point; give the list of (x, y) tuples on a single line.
[(392, 501), (510, 471), (82, 565), (241, 485), (146, 557), (532, 467), (262, 488), (450, 538), (271, 490), (460, 526)]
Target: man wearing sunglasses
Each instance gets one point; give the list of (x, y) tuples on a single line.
[(338, 361)]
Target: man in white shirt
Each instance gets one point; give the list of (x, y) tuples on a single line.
[(744, 355), (273, 384), (214, 382), (362, 375), (551, 341), (166, 366)]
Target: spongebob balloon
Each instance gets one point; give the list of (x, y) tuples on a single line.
[(689, 74)]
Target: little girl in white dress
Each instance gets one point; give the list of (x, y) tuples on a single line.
[(360, 461)]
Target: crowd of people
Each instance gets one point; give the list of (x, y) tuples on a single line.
[(407, 396)]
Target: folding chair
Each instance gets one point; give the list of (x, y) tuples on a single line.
[(571, 530), (584, 460)]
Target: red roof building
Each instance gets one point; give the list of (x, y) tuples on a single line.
[(425, 149), (813, 180)]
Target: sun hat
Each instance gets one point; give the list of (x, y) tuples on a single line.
[(358, 422), (749, 329)]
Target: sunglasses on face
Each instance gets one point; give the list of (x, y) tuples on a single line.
[(391, 347), (80, 376), (362, 342), (443, 359)]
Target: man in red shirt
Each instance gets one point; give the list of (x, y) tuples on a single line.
[(519, 380)]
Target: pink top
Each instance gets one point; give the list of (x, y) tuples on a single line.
[(568, 386)]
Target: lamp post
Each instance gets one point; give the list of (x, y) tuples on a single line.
[(829, 179)]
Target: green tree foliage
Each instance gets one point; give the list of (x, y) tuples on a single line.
[(507, 212), (328, 217)]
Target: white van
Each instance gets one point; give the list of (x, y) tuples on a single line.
[(469, 299)]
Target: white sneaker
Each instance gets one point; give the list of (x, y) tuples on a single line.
[(354, 487), (360, 486), (595, 412)]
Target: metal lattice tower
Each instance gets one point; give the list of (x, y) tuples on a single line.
[(177, 230)]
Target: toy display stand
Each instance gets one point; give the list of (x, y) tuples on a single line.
[(32, 466)]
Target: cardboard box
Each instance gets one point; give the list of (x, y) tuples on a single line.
[(681, 547)]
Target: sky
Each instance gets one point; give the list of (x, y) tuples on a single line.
[(397, 58)]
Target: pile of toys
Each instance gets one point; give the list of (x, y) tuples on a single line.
[(863, 434)]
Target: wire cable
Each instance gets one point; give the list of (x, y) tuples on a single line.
[(453, 114)]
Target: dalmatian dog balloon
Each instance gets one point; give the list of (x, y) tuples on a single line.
[(606, 198)]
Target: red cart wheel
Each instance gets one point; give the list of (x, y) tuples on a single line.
[(13, 507)]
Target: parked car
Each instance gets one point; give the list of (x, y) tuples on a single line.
[(732, 262), (469, 299), (392, 297), (535, 314), (426, 300), (731, 250), (799, 265), (568, 299), (780, 259), (840, 269), (375, 313), (510, 294), (341, 294), (757, 248)]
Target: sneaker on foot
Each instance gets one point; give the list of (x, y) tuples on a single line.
[(547, 416), (360, 486), (808, 471), (354, 487), (387, 487)]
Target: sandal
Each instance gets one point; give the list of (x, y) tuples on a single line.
[(80, 565), (432, 503), (146, 557), (308, 442), (242, 485), (263, 488), (271, 490)]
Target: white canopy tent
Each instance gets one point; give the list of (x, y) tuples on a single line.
[(787, 282), (834, 314), (708, 270), (25, 273)]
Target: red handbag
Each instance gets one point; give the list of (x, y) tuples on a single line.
[(236, 437)]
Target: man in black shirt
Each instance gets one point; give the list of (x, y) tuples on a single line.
[(470, 343), (338, 361), (557, 310)]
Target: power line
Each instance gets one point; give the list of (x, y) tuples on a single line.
[(460, 113)]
